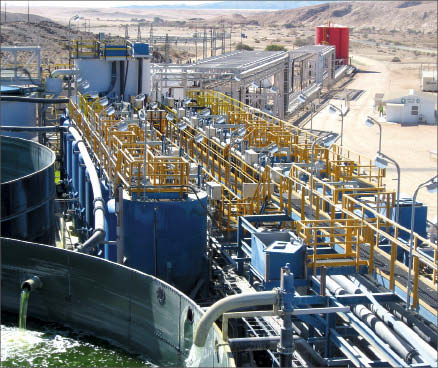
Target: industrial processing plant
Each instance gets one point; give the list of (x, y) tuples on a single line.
[(196, 214)]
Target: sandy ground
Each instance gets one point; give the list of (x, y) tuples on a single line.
[(410, 147)]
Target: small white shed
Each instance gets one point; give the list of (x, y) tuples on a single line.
[(412, 109)]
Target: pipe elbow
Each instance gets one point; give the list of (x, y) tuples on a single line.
[(230, 303), (31, 284)]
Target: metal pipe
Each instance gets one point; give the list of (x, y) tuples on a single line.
[(99, 204), (58, 72), (33, 283), (424, 331), (46, 129), (40, 100), (346, 284), (254, 343), (227, 304), (334, 287), (407, 352), (426, 351), (121, 242)]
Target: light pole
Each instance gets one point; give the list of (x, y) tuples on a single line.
[(381, 161), (332, 110), (369, 122), (74, 18), (327, 141), (432, 186)]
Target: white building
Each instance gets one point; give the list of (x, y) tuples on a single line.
[(412, 109)]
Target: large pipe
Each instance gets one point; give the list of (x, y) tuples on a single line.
[(333, 286), (45, 129), (426, 351), (424, 331), (40, 100), (346, 284), (255, 343), (99, 204), (227, 304), (407, 352), (59, 72)]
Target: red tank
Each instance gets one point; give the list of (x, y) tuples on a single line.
[(337, 36)]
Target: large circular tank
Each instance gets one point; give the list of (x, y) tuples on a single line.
[(136, 311), (168, 238), (27, 190), (337, 36)]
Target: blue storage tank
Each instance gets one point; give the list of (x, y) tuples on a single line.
[(167, 238), (272, 250)]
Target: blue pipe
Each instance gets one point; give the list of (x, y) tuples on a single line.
[(81, 178)]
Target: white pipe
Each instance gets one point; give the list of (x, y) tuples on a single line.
[(425, 350), (405, 351), (227, 304), (99, 204), (349, 286), (59, 72)]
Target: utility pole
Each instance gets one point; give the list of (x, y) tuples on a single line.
[(28, 17), (138, 32), (5, 11), (196, 44), (126, 32)]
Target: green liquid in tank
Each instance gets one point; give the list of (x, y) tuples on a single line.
[(49, 345)]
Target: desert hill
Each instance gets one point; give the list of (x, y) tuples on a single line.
[(399, 15)]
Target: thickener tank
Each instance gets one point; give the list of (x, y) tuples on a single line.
[(335, 35), (136, 311), (168, 238), (27, 190)]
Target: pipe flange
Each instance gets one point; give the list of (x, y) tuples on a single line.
[(409, 356), (98, 199), (97, 208)]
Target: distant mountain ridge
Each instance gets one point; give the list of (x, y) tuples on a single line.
[(399, 15), (225, 5)]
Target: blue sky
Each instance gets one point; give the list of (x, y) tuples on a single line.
[(96, 4)]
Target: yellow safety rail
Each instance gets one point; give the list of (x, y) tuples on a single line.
[(329, 233), (352, 215), (121, 154)]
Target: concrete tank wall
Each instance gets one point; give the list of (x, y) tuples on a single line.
[(137, 311), (27, 190)]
